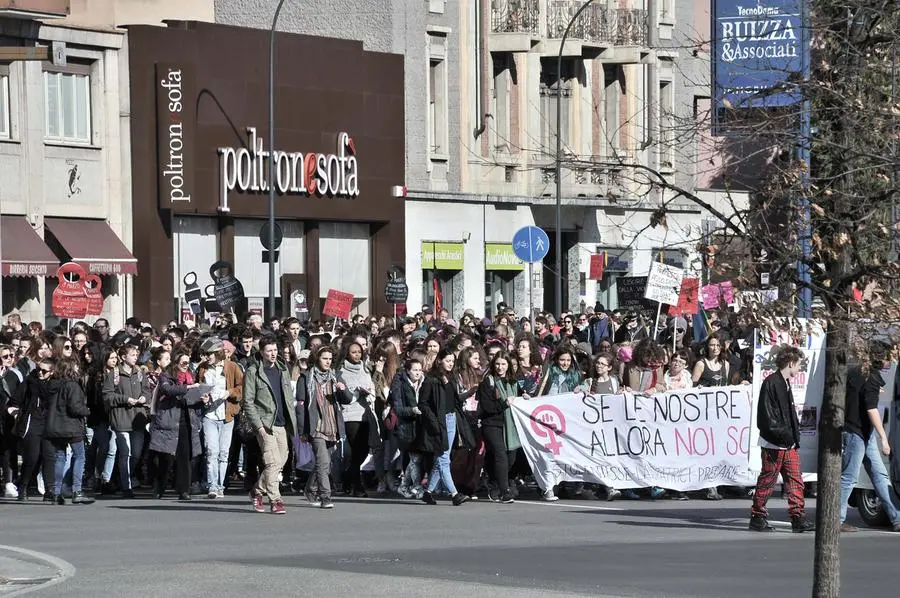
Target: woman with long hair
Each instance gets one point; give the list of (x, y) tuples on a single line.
[(62, 347), (466, 465), (359, 420), (101, 453), (175, 429), (65, 428), (385, 365), (562, 375), (495, 394), (30, 405), (440, 405), (712, 368), (289, 357), (432, 347), (404, 399), (530, 369), (644, 373)]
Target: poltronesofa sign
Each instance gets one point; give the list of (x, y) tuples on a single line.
[(175, 131), (321, 174), (757, 46)]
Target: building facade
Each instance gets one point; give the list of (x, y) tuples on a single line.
[(201, 154)]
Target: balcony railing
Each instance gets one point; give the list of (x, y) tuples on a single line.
[(515, 16), (598, 23)]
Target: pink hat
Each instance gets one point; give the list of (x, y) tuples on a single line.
[(624, 354)]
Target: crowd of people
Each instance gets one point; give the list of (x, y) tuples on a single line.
[(417, 406)]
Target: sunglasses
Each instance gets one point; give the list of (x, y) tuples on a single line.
[(6, 356), (45, 371), (67, 347), (184, 363)]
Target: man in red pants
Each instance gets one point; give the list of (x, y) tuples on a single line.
[(779, 438)]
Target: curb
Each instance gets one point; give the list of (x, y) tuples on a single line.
[(23, 570)]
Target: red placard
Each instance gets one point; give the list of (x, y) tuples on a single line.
[(93, 290), (338, 304), (598, 260), (688, 298), (69, 299)]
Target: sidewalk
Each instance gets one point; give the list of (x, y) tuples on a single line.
[(23, 570)]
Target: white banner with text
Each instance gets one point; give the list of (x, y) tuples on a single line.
[(680, 440)]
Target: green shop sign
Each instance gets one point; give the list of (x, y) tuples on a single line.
[(442, 256), (500, 256)]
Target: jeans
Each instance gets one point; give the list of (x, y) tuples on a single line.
[(412, 475), (98, 447), (109, 456), (62, 461), (318, 485), (857, 452), (441, 469), (217, 441), (129, 446)]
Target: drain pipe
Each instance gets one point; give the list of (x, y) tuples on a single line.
[(483, 19), (652, 93)]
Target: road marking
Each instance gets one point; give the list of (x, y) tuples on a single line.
[(66, 569), (567, 504)]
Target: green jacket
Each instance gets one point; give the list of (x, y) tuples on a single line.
[(258, 402)]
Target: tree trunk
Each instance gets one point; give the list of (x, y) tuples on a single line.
[(827, 567)]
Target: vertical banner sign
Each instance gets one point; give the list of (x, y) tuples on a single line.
[(757, 47), (596, 269), (176, 107)]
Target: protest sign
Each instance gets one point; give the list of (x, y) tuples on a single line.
[(630, 293), (688, 298), (683, 440), (663, 283), (338, 304)]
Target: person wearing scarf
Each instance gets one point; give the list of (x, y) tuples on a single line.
[(404, 398), (320, 422), (562, 376), (359, 419), (495, 392)]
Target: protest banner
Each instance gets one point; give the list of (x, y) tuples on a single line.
[(682, 440), (663, 283), (596, 268)]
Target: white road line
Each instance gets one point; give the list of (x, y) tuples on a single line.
[(66, 569), (567, 504)]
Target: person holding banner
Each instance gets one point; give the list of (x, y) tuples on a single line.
[(779, 439), (495, 393)]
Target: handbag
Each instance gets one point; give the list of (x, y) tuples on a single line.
[(244, 428), (391, 420)]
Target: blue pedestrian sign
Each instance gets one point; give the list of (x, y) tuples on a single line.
[(531, 244)]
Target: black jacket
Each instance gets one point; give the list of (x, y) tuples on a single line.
[(308, 414), (32, 398), (66, 412), (404, 399), (436, 399), (777, 417), (170, 416), (490, 405)]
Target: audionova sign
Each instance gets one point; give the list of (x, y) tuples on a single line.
[(246, 169), (757, 47)]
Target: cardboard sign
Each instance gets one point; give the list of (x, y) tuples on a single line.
[(688, 298), (338, 304), (664, 283), (714, 294), (597, 262), (69, 299), (396, 291), (229, 292), (256, 305)]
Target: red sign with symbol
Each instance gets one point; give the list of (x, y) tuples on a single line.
[(69, 298), (338, 304), (688, 298)]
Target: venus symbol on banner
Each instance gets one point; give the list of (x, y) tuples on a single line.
[(547, 422)]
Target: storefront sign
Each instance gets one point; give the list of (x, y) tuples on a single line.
[(24, 269), (175, 126), (500, 256), (442, 256), (757, 46), (247, 170)]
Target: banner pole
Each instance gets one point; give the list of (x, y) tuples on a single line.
[(656, 321)]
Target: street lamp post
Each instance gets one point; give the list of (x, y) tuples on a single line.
[(562, 44), (272, 160)]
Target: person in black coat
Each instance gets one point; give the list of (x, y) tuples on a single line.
[(10, 379), (64, 428), (29, 406), (404, 400), (442, 419)]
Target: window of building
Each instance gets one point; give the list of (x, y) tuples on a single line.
[(666, 125), (504, 66), (4, 105), (667, 11), (438, 130), (67, 104), (499, 287), (345, 261), (614, 98), (556, 88)]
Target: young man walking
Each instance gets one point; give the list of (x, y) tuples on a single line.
[(779, 438), (268, 403)]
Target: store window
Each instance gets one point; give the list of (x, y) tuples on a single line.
[(345, 261), (67, 104), (442, 275), (251, 266), (4, 104), (196, 249), (501, 268)]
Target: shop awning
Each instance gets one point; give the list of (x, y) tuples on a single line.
[(92, 245), (22, 251)]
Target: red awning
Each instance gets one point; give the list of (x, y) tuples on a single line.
[(22, 251), (92, 245)]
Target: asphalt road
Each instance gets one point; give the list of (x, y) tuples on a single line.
[(394, 547)]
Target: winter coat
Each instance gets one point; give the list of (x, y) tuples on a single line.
[(32, 398), (259, 399), (437, 398), (234, 383), (118, 387), (169, 417), (403, 400), (308, 414), (67, 412), (93, 390)]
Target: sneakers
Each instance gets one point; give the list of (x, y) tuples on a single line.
[(847, 528), (507, 498), (428, 498), (630, 494), (656, 492), (405, 492), (60, 500), (79, 498), (129, 494), (459, 498), (49, 497), (326, 503), (549, 496), (10, 490), (212, 495), (760, 524), (494, 494), (681, 496), (257, 502), (713, 494), (382, 487), (612, 494), (802, 524), (278, 508)]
